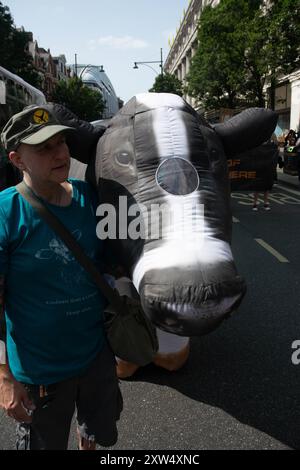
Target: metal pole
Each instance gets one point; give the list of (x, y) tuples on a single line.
[(76, 65), (161, 61)]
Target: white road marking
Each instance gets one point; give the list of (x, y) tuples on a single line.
[(292, 191), (271, 250), (272, 197), (279, 196), (235, 220)]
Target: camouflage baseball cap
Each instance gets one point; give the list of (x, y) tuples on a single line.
[(34, 125)]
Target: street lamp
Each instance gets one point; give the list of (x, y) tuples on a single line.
[(100, 67), (76, 65), (160, 62)]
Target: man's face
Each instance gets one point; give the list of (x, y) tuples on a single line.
[(46, 162)]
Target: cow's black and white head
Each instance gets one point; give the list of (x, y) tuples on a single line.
[(157, 150)]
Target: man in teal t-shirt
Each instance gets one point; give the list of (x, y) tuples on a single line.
[(54, 356), (53, 310)]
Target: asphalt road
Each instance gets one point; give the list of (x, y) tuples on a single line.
[(239, 389)]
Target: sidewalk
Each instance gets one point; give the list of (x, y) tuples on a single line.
[(287, 179)]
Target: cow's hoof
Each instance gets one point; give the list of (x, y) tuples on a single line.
[(125, 369), (172, 361)]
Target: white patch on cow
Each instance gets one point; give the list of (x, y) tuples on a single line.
[(169, 128), (156, 100), (177, 218), (200, 248), (175, 254)]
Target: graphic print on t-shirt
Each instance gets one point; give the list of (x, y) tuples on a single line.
[(57, 250)]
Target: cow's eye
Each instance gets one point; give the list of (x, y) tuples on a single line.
[(123, 158), (177, 176)]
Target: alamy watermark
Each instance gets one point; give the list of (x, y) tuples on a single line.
[(296, 353), (171, 221)]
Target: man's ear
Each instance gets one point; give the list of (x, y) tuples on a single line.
[(16, 159)]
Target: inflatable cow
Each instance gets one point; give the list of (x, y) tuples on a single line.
[(157, 151)]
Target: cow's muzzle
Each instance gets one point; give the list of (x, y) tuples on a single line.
[(191, 309)]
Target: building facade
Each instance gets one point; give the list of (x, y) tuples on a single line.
[(95, 77), (46, 67), (53, 69), (184, 46), (287, 102), (62, 71)]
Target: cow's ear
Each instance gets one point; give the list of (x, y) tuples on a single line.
[(246, 130), (83, 142)]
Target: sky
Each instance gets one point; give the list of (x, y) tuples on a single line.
[(112, 33)]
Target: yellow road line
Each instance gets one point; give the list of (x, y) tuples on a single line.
[(271, 250)]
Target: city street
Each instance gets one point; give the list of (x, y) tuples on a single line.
[(239, 389), (149, 99)]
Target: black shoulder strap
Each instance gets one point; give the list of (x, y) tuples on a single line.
[(68, 239)]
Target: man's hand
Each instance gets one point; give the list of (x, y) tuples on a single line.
[(14, 398)]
